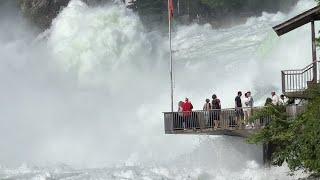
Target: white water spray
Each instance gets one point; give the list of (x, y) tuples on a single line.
[(92, 93)]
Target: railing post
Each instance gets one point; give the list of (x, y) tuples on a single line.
[(318, 70), (283, 82), (314, 53)]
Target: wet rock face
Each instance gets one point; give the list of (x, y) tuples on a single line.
[(41, 12)]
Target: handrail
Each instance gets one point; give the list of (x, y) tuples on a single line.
[(224, 109), (297, 71), (302, 68), (220, 121), (295, 82)]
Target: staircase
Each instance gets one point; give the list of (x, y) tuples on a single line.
[(296, 82)]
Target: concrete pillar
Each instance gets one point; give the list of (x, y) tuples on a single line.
[(267, 153)]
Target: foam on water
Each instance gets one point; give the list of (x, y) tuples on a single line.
[(90, 91)]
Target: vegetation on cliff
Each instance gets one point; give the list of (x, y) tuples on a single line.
[(297, 141), (253, 5), (41, 12), (212, 10)]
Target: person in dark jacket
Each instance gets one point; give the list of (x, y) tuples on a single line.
[(216, 110), (238, 108)]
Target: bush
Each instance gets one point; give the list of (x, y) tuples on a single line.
[(297, 141)]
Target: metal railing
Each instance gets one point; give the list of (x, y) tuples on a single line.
[(294, 111), (224, 119), (298, 80)]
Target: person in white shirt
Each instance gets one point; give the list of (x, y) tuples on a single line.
[(248, 101), (275, 98), (179, 122), (207, 105), (246, 109), (282, 100), (207, 108), (251, 101)]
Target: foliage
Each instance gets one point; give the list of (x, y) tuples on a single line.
[(149, 7), (215, 7), (234, 5), (216, 4), (297, 141)]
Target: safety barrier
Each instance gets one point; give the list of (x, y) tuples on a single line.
[(297, 81), (221, 119)]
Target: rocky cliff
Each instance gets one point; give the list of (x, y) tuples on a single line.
[(41, 12)]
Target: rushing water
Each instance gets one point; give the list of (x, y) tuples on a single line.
[(89, 93)]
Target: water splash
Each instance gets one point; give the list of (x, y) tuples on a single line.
[(91, 93)]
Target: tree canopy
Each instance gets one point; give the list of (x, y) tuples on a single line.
[(297, 141)]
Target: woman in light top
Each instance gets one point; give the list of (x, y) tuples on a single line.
[(179, 120), (246, 105), (248, 102), (207, 105)]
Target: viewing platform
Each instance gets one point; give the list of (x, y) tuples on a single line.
[(230, 123), (295, 84)]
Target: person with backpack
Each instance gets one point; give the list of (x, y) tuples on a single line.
[(216, 110)]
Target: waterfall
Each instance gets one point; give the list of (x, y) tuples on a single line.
[(90, 92)]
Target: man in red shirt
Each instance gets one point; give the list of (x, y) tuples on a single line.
[(187, 113), (187, 107)]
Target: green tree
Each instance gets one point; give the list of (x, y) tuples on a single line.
[(297, 141), (216, 4)]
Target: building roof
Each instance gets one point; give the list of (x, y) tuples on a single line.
[(298, 21)]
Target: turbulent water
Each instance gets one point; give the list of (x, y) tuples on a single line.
[(83, 100)]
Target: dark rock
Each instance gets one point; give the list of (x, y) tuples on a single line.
[(41, 12)]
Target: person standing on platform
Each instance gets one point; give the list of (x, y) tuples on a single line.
[(275, 98), (268, 102), (282, 100), (179, 121), (207, 105), (251, 101), (246, 109), (207, 109), (248, 101), (187, 112), (238, 108), (216, 108)]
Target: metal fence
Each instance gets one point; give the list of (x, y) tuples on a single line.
[(224, 119), (295, 110), (298, 80)]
